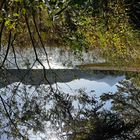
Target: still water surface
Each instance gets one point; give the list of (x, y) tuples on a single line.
[(93, 83), (17, 87)]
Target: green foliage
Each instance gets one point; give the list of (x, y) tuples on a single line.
[(79, 25), (111, 32)]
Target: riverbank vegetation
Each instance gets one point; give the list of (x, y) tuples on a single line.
[(111, 28)]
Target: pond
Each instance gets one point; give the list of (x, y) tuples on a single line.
[(30, 96), (51, 99)]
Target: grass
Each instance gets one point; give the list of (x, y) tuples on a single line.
[(107, 66)]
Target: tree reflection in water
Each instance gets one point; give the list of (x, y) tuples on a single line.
[(29, 112)]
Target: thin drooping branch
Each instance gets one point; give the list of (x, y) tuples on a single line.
[(31, 37), (10, 62), (28, 71), (42, 44), (8, 48), (12, 42), (9, 117), (15, 58), (36, 55)]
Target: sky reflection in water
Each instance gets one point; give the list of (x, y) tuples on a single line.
[(91, 86)]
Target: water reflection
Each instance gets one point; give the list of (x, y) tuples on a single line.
[(37, 77), (66, 109), (59, 58)]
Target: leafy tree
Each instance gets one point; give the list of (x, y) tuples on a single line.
[(81, 25)]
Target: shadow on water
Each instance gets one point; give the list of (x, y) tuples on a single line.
[(35, 109), (38, 76)]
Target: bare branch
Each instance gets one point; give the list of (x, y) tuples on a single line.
[(42, 44), (7, 51), (14, 51)]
